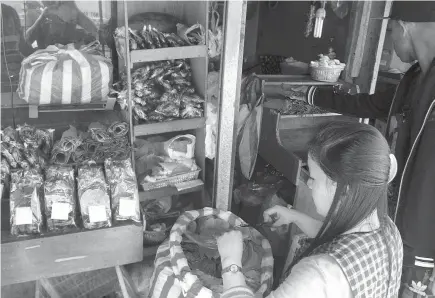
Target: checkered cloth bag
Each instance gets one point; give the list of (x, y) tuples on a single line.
[(172, 277), (365, 261)]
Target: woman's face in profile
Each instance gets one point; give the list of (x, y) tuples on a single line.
[(322, 187)]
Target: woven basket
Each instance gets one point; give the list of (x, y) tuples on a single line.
[(171, 180), (326, 74)]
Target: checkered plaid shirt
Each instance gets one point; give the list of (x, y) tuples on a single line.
[(370, 270)]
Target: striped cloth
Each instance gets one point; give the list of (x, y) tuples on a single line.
[(172, 277), (65, 75)]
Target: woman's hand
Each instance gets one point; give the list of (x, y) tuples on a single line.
[(230, 247), (279, 216)]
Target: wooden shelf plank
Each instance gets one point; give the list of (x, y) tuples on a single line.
[(170, 126), (274, 80), (168, 54), (180, 188), (44, 257)]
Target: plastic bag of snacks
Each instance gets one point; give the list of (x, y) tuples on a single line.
[(60, 198), (25, 202), (93, 197), (123, 187)]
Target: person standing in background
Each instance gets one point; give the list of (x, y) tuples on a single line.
[(58, 24), (410, 114)]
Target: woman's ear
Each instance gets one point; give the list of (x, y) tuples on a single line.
[(393, 168)]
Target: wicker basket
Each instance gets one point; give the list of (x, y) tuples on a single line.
[(171, 180), (326, 74)]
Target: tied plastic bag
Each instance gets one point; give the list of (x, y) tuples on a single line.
[(60, 198), (123, 187), (193, 35), (25, 202), (65, 75), (93, 197), (181, 147)]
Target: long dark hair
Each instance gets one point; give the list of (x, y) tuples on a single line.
[(356, 157)]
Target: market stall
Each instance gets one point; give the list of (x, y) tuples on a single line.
[(153, 132), (99, 182)]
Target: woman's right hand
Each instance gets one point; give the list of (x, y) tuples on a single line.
[(279, 216)]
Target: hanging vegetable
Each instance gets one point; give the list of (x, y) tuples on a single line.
[(311, 17)]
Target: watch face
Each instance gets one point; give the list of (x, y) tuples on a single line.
[(234, 268)]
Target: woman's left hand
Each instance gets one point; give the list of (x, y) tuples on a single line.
[(230, 247)]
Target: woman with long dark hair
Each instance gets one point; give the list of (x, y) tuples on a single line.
[(356, 251)]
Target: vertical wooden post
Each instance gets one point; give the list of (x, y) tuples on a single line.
[(231, 72), (128, 70)]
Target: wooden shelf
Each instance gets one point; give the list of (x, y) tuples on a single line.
[(168, 54), (294, 80), (26, 259), (179, 189), (170, 126), (6, 103)]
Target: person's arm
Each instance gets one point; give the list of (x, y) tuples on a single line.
[(360, 105), (33, 31), (280, 215), (86, 23), (307, 224)]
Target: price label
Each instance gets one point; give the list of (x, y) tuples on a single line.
[(97, 213), (127, 207), (60, 211), (23, 216)]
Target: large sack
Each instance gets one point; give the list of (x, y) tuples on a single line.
[(173, 278), (65, 75)]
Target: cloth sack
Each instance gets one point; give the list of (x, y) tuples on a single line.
[(65, 75), (172, 277)]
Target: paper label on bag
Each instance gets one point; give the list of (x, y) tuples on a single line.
[(127, 207), (97, 213), (23, 216), (60, 211)]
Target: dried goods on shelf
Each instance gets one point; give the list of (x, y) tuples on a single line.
[(60, 198), (94, 197), (25, 202), (162, 91)]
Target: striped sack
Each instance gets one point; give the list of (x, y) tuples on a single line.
[(65, 75), (172, 277)]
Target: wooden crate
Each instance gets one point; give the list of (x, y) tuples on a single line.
[(32, 259)]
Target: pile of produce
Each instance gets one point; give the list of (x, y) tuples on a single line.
[(200, 249), (327, 61), (25, 148), (162, 91), (97, 143), (299, 107)]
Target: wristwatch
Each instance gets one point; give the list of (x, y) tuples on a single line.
[(232, 268)]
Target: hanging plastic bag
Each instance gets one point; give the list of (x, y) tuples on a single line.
[(249, 135)]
